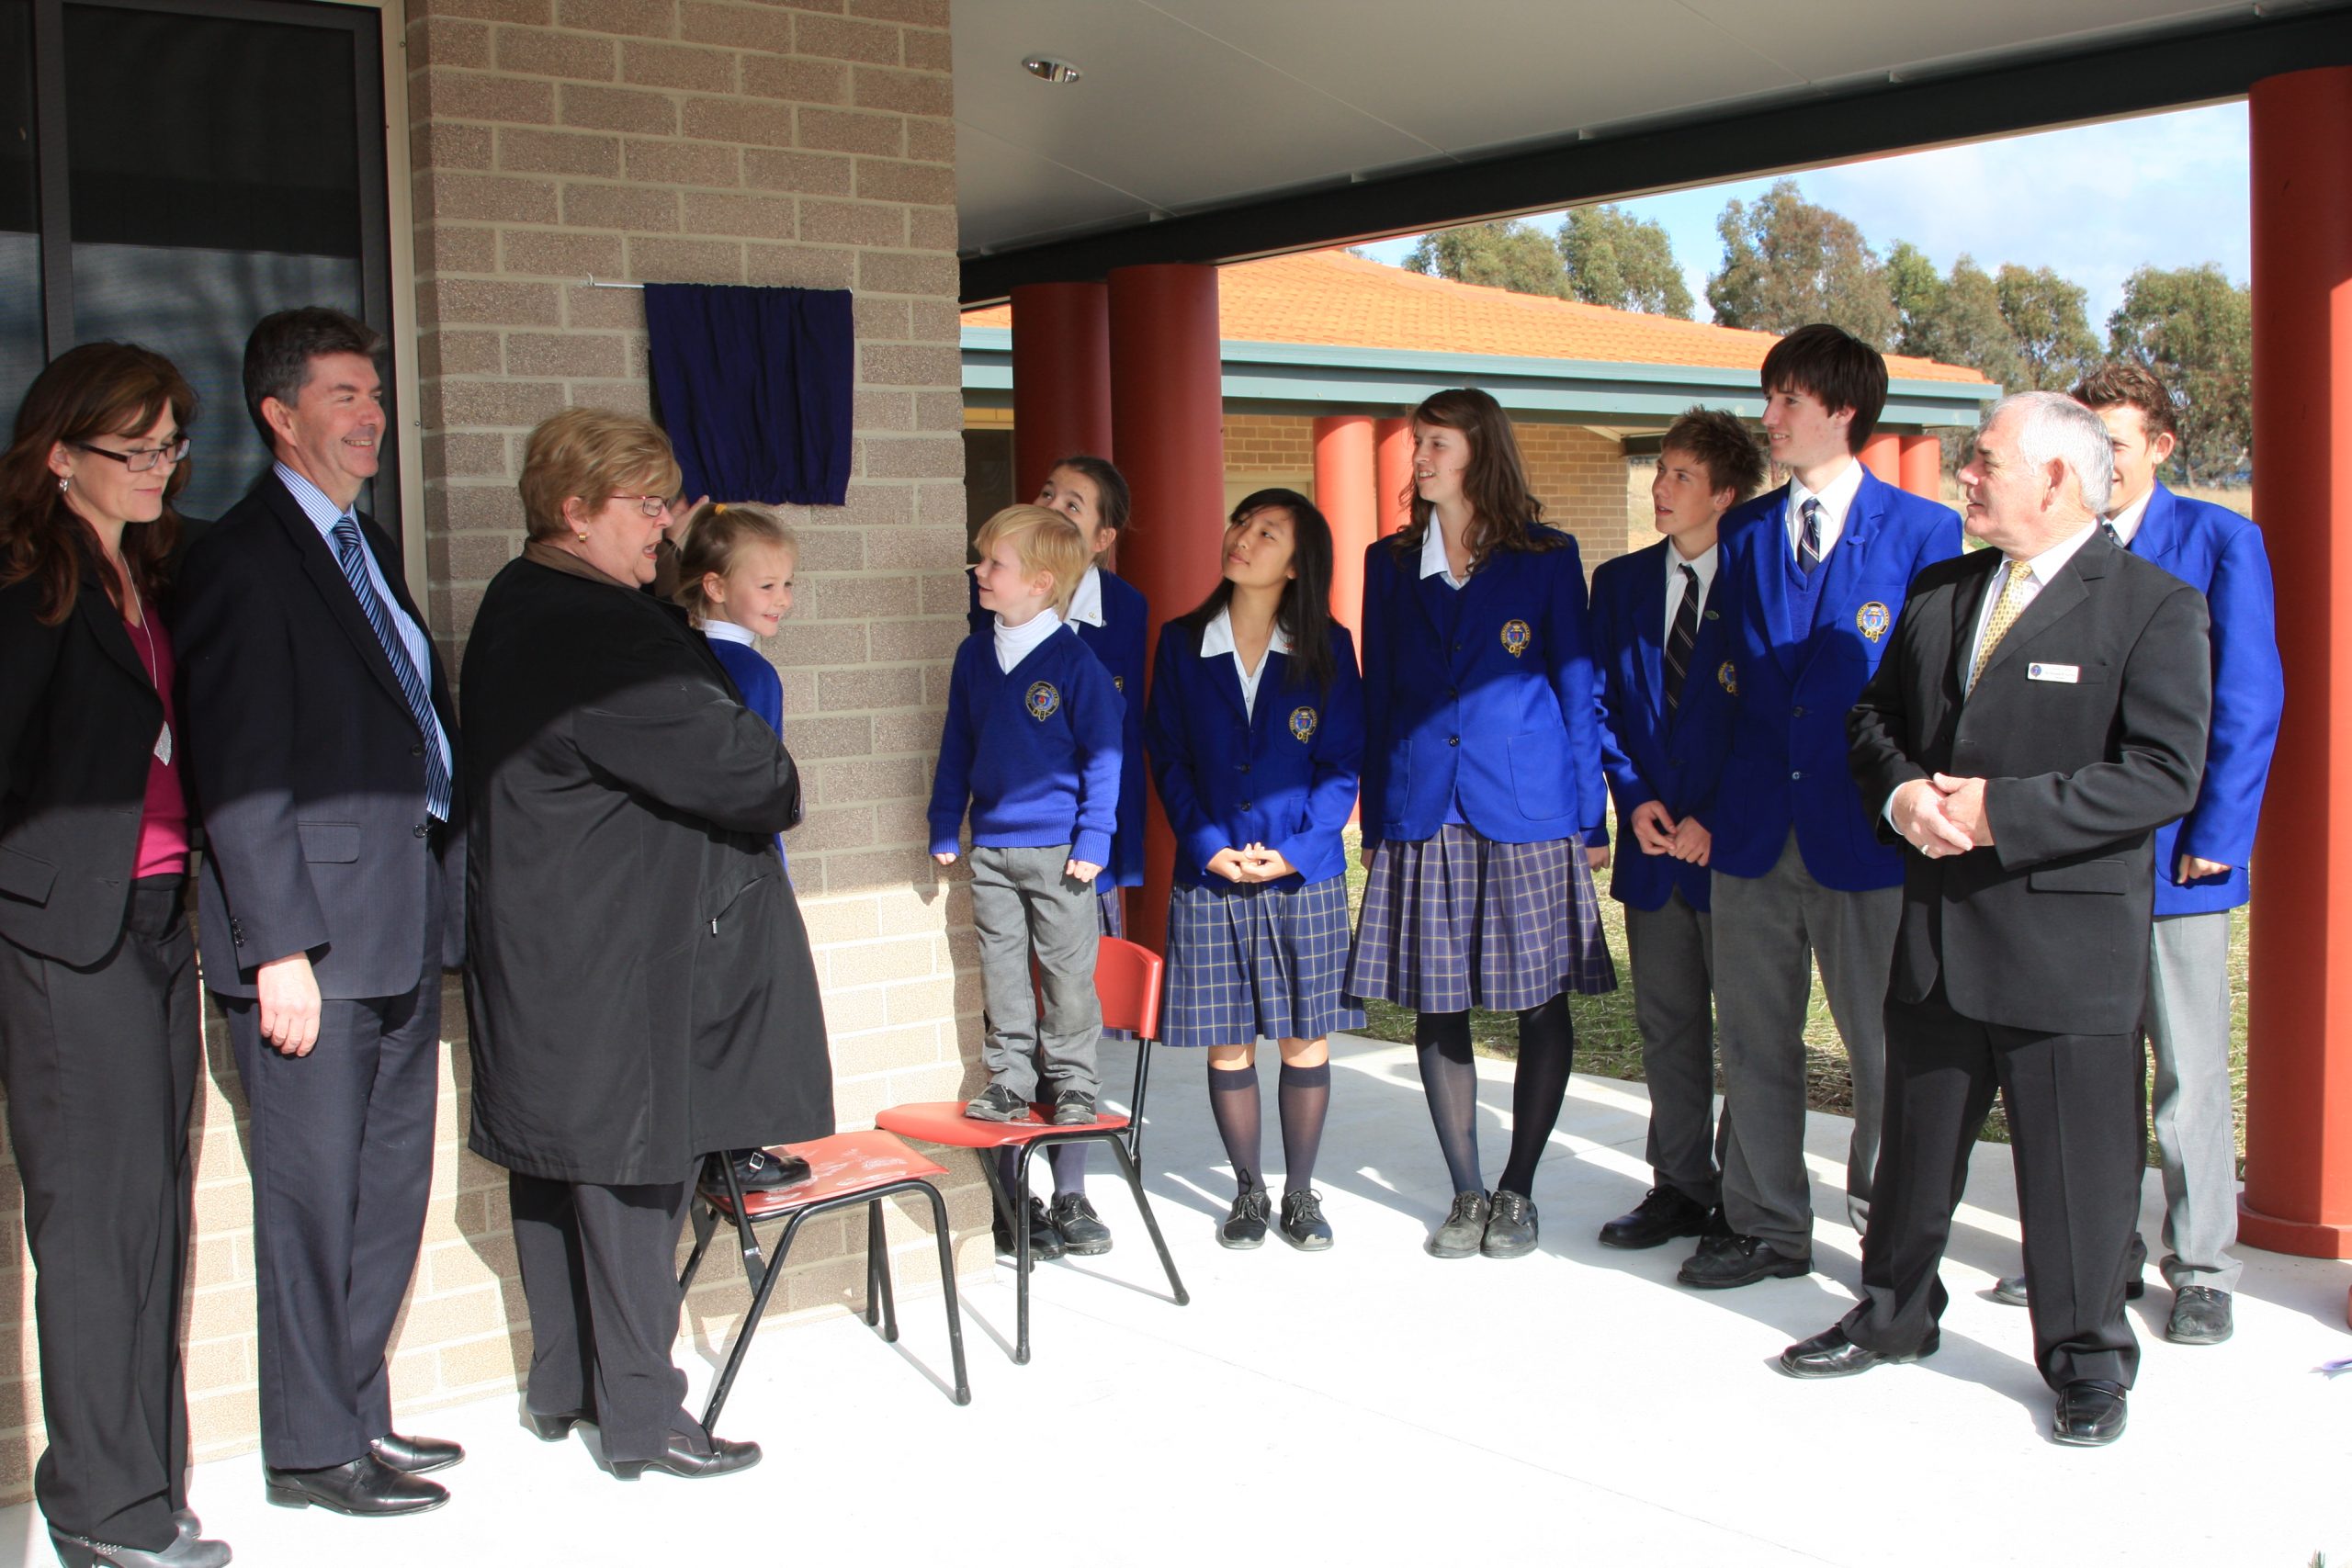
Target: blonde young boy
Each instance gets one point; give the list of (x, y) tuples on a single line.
[(1032, 744)]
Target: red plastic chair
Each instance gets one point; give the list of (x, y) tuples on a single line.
[(1126, 977), (844, 1169)]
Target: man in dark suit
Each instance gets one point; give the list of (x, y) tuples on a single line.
[(322, 748), (2042, 711)]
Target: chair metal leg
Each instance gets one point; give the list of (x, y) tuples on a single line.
[(877, 1265), (948, 1289), (705, 1223), (1020, 1258), (1150, 1222), (767, 1284)]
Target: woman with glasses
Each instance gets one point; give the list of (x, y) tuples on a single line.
[(98, 1022), (640, 987)]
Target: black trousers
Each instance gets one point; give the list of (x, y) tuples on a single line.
[(2074, 1102), (600, 1274), (342, 1154), (101, 1065)]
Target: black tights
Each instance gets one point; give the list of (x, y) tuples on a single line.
[(1450, 1076)]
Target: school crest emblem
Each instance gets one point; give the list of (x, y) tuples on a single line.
[(1516, 637), (1044, 701), (1872, 619), (1302, 723), (1727, 677)]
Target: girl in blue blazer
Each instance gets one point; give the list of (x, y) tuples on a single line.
[(1483, 805), (735, 566), (1255, 731), (1109, 615)]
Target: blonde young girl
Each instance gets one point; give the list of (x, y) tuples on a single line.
[(735, 564)]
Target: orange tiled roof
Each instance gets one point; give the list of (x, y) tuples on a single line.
[(1330, 297)]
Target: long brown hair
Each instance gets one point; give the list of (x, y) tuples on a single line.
[(99, 389), (1504, 514)]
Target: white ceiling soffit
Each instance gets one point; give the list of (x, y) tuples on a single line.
[(1185, 105)]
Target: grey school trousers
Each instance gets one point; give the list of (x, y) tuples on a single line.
[(1768, 930), (1021, 903), (1671, 997), (2188, 1024)]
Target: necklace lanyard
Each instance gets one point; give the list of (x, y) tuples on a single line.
[(155, 667)]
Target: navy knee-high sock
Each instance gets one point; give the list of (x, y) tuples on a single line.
[(1069, 1161), (1304, 1098), (1546, 1050), (1233, 1101), (1442, 1042)]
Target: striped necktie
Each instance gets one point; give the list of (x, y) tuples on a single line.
[(2005, 616), (352, 556), (1809, 544), (1682, 637), (2106, 527)]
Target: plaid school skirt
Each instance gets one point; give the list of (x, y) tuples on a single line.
[(1253, 962), (1458, 921)]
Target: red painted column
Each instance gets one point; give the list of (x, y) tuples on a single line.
[(1882, 456), (2298, 1193), (1061, 378), (1923, 466), (1392, 463), (1168, 423), (1346, 490)]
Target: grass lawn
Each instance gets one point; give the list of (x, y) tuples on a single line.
[(1608, 1043)]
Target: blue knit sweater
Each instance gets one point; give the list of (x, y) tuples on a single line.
[(1035, 752)]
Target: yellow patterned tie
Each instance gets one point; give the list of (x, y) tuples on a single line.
[(2005, 616)]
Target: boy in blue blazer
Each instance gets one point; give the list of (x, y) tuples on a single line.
[(2201, 859), (1031, 743), (1816, 570), (1659, 634)]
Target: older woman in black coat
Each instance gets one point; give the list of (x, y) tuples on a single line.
[(640, 991)]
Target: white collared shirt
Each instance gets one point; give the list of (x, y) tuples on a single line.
[(717, 630), (1701, 565), (1433, 561), (323, 515), (2127, 522), (2040, 572), (1086, 604), (1217, 637), (1837, 499), (1014, 644)]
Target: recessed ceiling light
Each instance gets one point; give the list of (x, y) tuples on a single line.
[(1058, 72)]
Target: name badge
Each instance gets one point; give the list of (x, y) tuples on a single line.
[(2066, 674)]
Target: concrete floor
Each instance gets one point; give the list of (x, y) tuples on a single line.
[(1373, 1406)]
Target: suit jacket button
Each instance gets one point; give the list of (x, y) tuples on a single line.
[(417, 749), (1454, 740), (1797, 774), (1248, 803), (421, 829), (1797, 713)]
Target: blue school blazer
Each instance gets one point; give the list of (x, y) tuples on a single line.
[(2219, 554), (1284, 777), (1647, 753), (1787, 764), (1118, 643), (1502, 719)]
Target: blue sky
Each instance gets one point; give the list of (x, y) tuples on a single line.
[(2093, 203)]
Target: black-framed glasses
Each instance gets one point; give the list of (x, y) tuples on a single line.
[(144, 459), (651, 505)]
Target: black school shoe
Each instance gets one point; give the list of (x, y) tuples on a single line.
[(1045, 1242), (1511, 1226), (760, 1171), (1073, 1108), (1661, 1215), (1245, 1226), (996, 1103), (1302, 1223), (1082, 1234)]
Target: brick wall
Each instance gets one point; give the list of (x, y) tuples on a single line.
[(1579, 474), (683, 141)]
